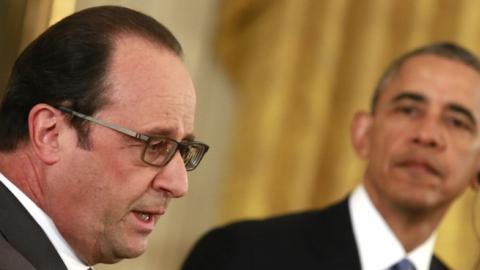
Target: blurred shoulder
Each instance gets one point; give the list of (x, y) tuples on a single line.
[(294, 224)]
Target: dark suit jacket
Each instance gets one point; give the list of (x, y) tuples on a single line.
[(23, 244), (312, 240)]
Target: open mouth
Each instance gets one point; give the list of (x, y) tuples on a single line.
[(144, 216), (148, 216)]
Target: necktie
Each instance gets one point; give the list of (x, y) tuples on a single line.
[(404, 264)]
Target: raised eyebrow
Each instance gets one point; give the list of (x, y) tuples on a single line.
[(409, 96), (189, 137), (464, 111)]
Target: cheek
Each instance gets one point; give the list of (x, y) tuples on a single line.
[(385, 139), (112, 181), (92, 186), (124, 183), (463, 166), (386, 142)]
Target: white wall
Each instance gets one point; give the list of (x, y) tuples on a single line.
[(193, 23)]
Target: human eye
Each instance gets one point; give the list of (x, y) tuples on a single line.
[(460, 122), (407, 109), (158, 150), (157, 145)]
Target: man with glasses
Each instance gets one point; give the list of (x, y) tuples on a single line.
[(96, 137), (421, 141)]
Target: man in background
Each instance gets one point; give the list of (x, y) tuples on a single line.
[(91, 121), (421, 142)]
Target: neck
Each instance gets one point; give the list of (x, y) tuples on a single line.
[(23, 172), (411, 224)]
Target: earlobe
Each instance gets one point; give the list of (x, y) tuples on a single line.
[(360, 133), (43, 129)]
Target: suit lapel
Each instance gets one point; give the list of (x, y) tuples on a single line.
[(334, 241), (22, 232), (11, 258), (437, 264)]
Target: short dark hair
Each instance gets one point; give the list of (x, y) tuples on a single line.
[(68, 63), (447, 50)]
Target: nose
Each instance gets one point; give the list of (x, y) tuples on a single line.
[(172, 178), (429, 134)]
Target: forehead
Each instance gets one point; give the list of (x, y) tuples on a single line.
[(440, 80), (149, 87)]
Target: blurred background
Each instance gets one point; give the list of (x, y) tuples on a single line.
[(278, 82)]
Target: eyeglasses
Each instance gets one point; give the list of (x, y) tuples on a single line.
[(158, 150)]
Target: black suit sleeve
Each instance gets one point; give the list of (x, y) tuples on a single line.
[(224, 248)]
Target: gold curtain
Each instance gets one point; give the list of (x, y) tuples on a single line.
[(301, 69), (11, 21), (21, 21)]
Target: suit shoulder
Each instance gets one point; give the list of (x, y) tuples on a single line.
[(313, 219), (291, 221), (285, 230), (292, 241), (438, 264)]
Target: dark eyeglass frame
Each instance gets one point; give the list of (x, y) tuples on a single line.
[(183, 147)]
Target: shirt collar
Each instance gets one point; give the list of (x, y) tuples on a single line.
[(63, 248), (378, 246)]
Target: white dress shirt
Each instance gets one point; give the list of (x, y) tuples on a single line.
[(378, 246), (63, 248)]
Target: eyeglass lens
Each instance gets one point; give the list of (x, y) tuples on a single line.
[(159, 151)]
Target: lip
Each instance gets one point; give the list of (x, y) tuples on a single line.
[(146, 226), (427, 165), (420, 166)]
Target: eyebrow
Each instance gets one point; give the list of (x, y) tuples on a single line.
[(409, 96), (189, 137), (451, 106), (167, 132)]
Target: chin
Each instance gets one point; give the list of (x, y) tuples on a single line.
[(419, 202), (119, 255), (121, 251), (132, 252)]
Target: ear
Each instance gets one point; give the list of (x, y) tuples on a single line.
[(43, 124), (360, 129), (475, 182)]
